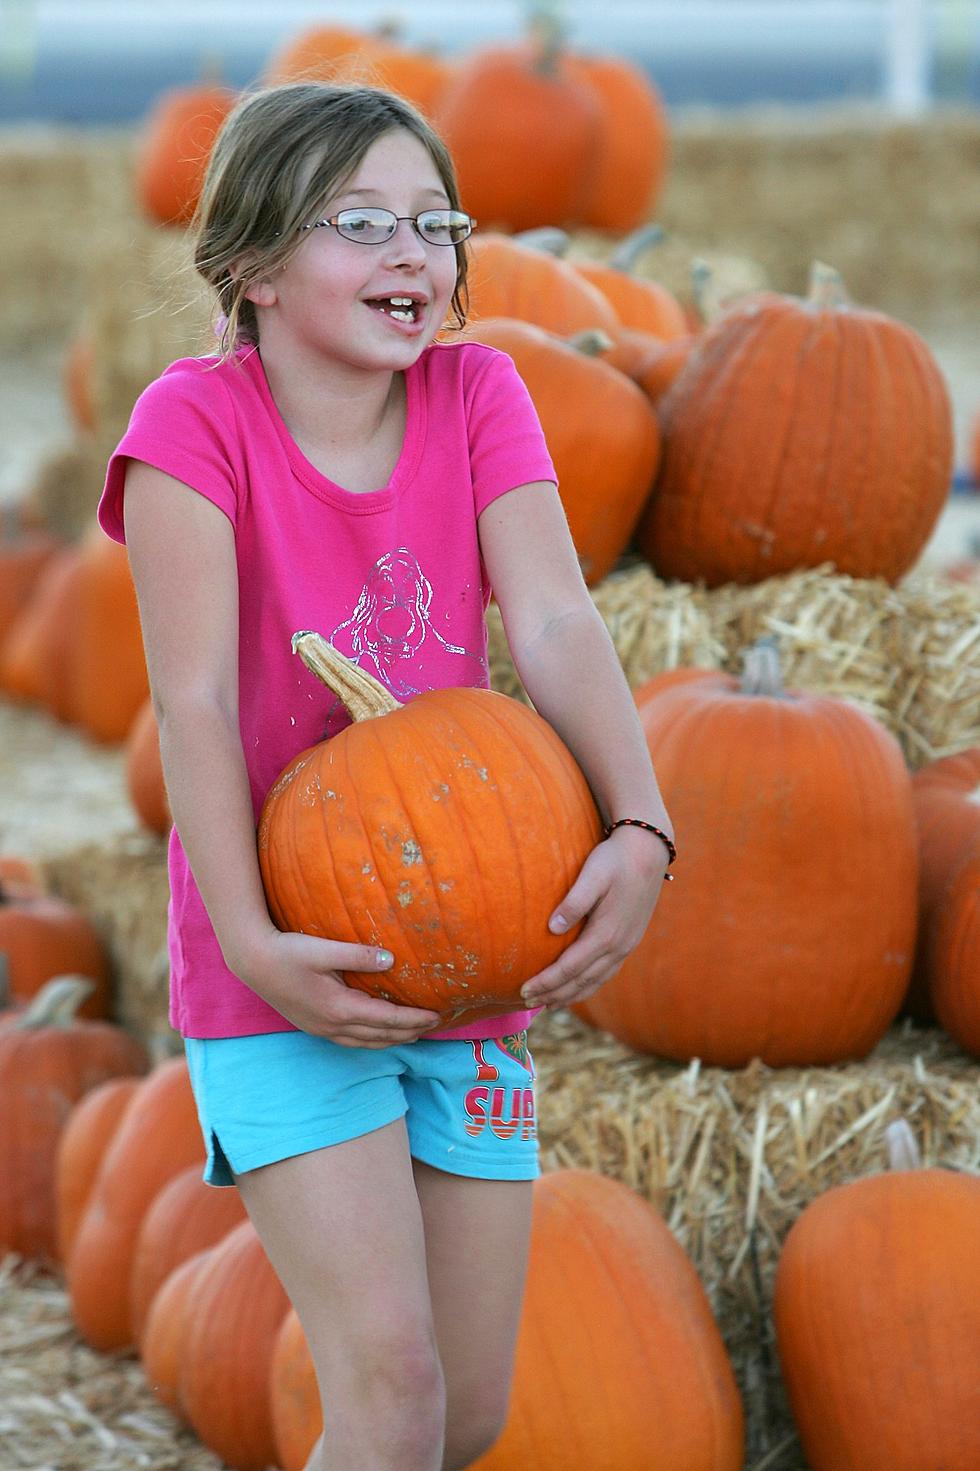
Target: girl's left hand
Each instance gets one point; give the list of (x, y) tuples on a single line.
[(615, 892)]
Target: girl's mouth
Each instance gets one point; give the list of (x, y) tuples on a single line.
[(399, 308)]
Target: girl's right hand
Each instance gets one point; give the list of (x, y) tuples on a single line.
[(299, 976)]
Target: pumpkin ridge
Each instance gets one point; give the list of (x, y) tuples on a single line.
[(932, 387), (766, 518), (379, 743)]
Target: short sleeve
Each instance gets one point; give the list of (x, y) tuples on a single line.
[(507, 444), (182, 424)]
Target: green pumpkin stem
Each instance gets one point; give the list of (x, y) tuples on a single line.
[(549, 239), (547, 31), (362, 696), (628, 252), (761, 672), (591, 343), (55, 1004)]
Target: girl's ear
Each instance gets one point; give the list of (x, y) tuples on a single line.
[(261, 293)]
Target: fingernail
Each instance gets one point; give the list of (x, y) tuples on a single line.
[(558, 924), (385, 959)]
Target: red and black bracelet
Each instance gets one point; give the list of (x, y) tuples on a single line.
[(648, 827)]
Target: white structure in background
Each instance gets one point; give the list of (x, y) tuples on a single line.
[(907, 58)]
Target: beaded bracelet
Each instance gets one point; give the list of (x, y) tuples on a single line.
[(649, 828)]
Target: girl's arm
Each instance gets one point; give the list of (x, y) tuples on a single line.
[(182, 553), (569, 667)]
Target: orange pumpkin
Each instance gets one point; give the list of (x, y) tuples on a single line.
[(653, 364), (158, 1137), (107, 679), (520, 102), (166, 1327), (49, 1059), (77, 374), (337, 53), (185, 1217), (91, 1125), (42, 936), (781, 938), (954, 955), (629, 164), (144, 773), (508, 278), (174, 148), (946, 793), (619, 1360), (24, 553), (34, 655), (799, 433), (231, 1327), (601, 432), (445, 830), (639, 302), (877, 1311)]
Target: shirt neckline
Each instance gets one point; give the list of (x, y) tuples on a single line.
[(355, 501)]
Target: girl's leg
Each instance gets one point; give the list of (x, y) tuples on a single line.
[(476, 1240), (343, 1229)]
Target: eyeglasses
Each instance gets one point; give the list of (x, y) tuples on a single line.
[(375, 226)]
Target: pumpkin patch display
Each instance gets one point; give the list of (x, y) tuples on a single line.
[(49, 1059), (789, 934), (601, 431), (445, 830), (619, 1361), (798, 433), (877, 1310)]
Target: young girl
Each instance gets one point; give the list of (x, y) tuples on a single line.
[(335, 468)]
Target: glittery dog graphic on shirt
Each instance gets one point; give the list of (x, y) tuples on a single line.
[(392, 622), (502, 1110)]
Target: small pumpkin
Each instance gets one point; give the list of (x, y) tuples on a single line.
[(174, 147), (107, 678), (43, 936), (800, 432), (782, 939), (513, 278), (601, 432), (144, 773), (231, 1326), (639, 302), (954, 955), (877, 1312), (158, 1137), (185, 1216), (24, 553), (619, 1361), (445, 830), (35, 652), (49, 1059), (84, 1140)]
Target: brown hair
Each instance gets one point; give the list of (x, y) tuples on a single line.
[(280, 155)]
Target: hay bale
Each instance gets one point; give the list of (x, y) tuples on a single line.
[(730, 1159), (907, 655)]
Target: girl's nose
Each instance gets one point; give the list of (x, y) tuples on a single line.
[(406, 243)]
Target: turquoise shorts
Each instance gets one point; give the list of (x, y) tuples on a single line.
[(469, 1107)]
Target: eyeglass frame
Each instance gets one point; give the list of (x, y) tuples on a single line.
[(413, 220)]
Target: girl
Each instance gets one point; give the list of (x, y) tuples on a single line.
[(335, 468)]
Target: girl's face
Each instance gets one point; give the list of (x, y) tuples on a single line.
[(333, 298)]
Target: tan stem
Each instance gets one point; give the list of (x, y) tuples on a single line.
[(56, 1003), (363, 696), (549, 239), (826, 288), (626, 255), (761, 673), (548, 33), (903, 1152), (704, 288), (591, 343)]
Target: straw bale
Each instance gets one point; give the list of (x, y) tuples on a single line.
[(64, 1407), (730, 1159)]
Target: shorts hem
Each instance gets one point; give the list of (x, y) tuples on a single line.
[(353, 1127), (477, 1167)]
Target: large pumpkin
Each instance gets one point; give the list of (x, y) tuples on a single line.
[(619, 1362), (512, 278), (174, 147), (445, 830), (107, 677), (48, 1061), (601, 431), (877, 1310), (954, 956), (629, 163), (84, 1140), (800, 432), (789, 933)]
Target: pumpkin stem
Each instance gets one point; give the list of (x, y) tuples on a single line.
[(761, 672), (547, 32), (704, 289), (591, 343), (55, 1004), (550, 239), (362, 695), (628, 252), (826, 288), (903, 1152)]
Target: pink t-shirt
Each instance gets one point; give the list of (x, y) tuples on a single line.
[(392, 577)]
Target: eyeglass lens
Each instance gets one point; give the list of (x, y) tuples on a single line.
[(373, 226)]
